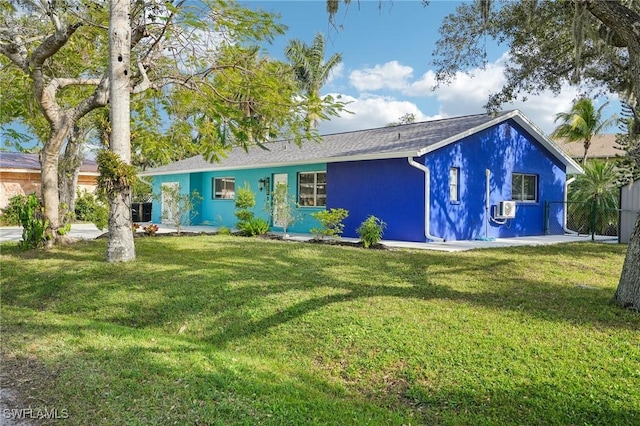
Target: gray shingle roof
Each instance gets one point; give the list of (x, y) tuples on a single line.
[(387, 142), (23, 161)]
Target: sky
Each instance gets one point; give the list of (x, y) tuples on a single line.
[(387, 68)]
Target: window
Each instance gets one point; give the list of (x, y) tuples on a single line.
[(454, 184), (524, 187), (312, 189), (224, 188)]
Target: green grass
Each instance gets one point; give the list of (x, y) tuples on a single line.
[(227, 330)]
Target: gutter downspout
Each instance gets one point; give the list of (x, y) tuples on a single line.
[(427, 199), (564, 216)]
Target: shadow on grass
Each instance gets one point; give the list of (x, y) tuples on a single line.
[(118, 375), (237, 283)]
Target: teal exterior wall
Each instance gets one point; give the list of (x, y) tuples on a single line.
[(220, 212)]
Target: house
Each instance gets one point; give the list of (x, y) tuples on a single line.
[(629, 210), (602, 147), (462, 178), (20, 175)]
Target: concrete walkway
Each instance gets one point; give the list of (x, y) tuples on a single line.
[(89, 231)]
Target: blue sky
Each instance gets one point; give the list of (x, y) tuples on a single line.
[(387, 68)]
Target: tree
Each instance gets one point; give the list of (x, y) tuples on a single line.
[(594, 43), (120, 247), (582, 123), (312, 72), (407, 118), (186, 54)]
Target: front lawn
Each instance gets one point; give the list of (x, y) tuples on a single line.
[(228, 330)]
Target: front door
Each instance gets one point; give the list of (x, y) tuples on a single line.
[(279, 179), (168, 213)]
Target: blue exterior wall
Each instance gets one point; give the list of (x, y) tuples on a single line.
[(393, 191), (503, 149), (219, 212)]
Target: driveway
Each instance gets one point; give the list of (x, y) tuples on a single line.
[(87, 231)]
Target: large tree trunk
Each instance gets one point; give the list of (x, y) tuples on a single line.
[(120, 247), (68, 172), (49, 157), (628, 292), (625, 23)]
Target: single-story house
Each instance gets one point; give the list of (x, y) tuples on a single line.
[(20, 175), (472, 177), (629, 210)]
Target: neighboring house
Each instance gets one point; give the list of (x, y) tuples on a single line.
[(602, 147), (478, 176), (629, 209), (20, 175)]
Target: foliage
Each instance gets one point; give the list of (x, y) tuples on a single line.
[(407, 118), (245, 201), (330, 223), (179, 207), (150, 229), (90, 208), (283, 207), (34, 224), (311, 73), (254, 226), (371, 230), (115, 174), (262, 331), (582, 123), (11, 214)]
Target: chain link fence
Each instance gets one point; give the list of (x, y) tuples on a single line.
[(584, 218)]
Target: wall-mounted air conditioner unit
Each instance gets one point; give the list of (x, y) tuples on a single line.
[(506, 210)]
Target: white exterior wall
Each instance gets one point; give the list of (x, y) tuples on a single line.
[(630, 206)]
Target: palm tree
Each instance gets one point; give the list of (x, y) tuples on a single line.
[(311, 72), (582, 123)]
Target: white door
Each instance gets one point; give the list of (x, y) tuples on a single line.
[(282, 179), (168, 208)]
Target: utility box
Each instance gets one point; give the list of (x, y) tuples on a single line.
[(141, 212)]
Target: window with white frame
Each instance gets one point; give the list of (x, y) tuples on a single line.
[(454, 184), (312, 189), (524, 187), (224, 188)]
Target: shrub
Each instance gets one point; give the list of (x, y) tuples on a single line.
[(34, 224), (11, 214), (245, 201), (370, 231), (150, 229), (283, 208), (90, 208), (254, 226), (330, 221), (179, 207)]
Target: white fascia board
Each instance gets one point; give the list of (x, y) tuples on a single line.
[(379, 156)]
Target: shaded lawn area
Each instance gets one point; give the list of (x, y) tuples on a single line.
[(230, 330)]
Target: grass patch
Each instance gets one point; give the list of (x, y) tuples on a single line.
[(228, 330)]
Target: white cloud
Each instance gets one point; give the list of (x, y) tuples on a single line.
[(370, 111), (467, 94), (391, 75)]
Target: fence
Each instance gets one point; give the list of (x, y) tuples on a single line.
[(584, 218)]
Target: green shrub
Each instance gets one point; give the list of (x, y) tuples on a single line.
[(245, 201), (370, 231), (11, 214), (330, 221), (254, 226), (90, 208), (34, 224)]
